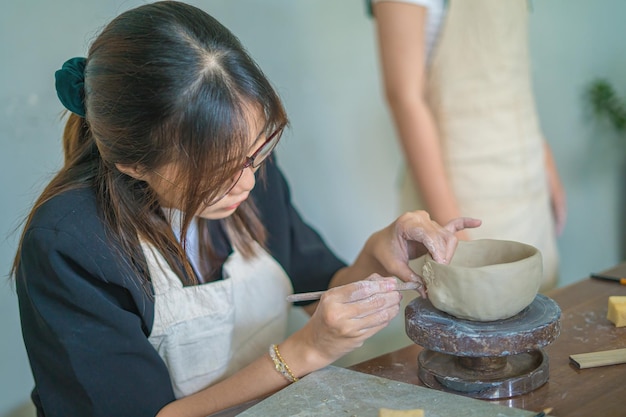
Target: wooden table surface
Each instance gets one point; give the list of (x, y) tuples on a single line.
[(571, 392)]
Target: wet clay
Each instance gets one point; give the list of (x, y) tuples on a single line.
[(486, 279)]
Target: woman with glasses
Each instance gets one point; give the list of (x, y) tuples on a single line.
[(152, 273)]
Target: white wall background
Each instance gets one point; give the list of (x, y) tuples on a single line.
[(340, 155)]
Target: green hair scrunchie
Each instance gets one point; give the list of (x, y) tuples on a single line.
[(70, 85)]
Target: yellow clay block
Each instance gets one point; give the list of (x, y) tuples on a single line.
[(617, 310), (386, 412)]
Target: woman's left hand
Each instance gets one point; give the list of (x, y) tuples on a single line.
[(410, 236)]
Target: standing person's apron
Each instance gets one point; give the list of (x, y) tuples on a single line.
[(207, 332), (480, 93)]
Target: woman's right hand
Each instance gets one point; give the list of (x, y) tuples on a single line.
[(345, 317)]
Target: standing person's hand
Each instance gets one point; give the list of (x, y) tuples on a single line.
[(556, 190), (559, 205)]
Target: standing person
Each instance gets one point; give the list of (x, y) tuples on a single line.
[(152, 273), (457, 82)]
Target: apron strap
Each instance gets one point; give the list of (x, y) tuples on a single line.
[(162, 276)]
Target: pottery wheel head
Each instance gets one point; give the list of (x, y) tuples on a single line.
[(486, 279)]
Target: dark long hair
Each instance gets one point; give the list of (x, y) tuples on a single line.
[(164, 82)]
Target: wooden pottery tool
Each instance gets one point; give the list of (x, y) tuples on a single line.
[(316, 295), (602, 358)]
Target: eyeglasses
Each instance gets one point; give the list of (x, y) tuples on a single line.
[(253, 161)]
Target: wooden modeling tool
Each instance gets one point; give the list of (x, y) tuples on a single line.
[(316, 295), (602, 358)]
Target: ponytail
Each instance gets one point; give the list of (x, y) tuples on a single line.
[(78, 143)]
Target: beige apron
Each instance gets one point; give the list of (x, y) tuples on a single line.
[(480, 93), (207, 332)]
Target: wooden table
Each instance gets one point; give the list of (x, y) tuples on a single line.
[(571, 392)]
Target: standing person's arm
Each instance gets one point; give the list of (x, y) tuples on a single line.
[(556, 189), (400, 29)]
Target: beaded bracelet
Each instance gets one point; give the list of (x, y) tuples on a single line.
[(280, 365)]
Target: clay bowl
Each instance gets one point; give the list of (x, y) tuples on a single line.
[(486, 279)]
